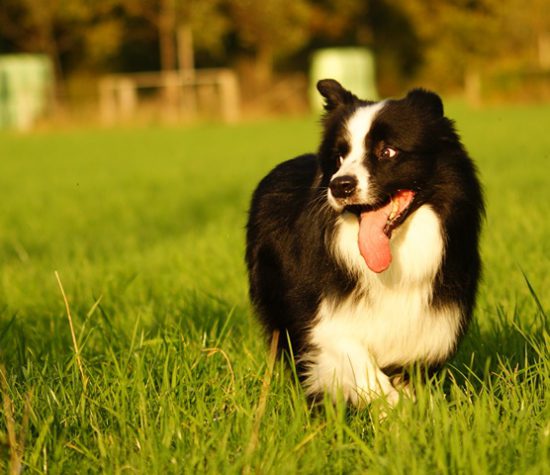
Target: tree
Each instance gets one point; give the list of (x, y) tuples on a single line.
[(45, 27), (463, 38), (65, 30), (204, 18), (383, 26), (268, 30)]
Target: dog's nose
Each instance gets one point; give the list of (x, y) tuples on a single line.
[(343, 186)]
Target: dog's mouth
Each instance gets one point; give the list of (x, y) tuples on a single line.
[(376, 225)]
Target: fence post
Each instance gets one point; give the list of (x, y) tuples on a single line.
[(229, 95)]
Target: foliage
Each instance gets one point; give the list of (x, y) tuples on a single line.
[(431, 41), (269, 29), (459, 35), (145, 228)]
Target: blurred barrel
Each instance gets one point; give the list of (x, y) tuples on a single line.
[(354, 68), (26, 87)]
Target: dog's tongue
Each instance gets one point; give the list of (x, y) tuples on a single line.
[(374, 243)]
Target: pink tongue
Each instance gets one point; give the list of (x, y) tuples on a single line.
[(374, 244)]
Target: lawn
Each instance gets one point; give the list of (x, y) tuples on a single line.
[(145, 229)]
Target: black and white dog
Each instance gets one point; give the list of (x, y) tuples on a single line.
[(365, 256)]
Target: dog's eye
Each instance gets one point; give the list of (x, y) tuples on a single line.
[(341, 150), (388, 152)]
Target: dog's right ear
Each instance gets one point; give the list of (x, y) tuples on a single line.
[(334, 94)]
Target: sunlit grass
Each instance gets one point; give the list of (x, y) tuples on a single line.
[(146, 230)]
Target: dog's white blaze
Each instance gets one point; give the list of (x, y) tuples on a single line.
[(357, 127), (393, 323)]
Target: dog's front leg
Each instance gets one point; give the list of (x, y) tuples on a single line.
[(344, 366)]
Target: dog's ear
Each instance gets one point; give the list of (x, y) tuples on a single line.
[(334, 94), (426, 100)]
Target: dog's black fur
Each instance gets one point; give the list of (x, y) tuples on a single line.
[(291, 228)]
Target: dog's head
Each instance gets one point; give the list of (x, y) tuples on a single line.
[(378, 159)]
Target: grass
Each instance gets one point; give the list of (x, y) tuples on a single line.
[(145, 230)]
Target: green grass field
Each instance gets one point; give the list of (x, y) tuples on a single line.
[(146, 230)]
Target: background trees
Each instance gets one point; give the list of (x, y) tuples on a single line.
[(437, 42)]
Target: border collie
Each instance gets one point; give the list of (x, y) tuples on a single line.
[(365, 256)]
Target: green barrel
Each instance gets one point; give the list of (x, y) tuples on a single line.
[(354, 68), (26, 87)]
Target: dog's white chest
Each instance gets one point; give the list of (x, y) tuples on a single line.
[(388, 320), (390, 314), (396, 329)]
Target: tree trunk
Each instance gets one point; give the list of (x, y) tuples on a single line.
[(264, 60), (167, 28), (544, 50), (185, 49), (50, 47)]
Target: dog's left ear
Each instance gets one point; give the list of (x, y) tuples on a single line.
[(334, 94), (426, 100)]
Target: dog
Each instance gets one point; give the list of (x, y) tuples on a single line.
[(365, 255)]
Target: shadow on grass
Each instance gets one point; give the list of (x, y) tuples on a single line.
[(510, 343)]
